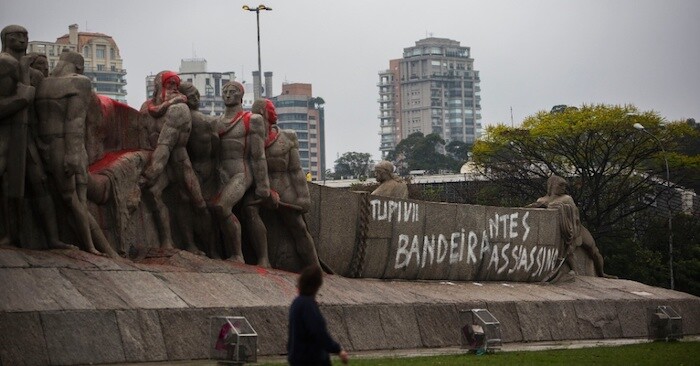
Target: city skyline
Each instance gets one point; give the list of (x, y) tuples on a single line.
[(531, 55)]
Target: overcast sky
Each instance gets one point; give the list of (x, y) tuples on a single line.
[(531, 54)]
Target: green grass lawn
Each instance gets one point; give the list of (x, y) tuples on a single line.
[(657, 353)]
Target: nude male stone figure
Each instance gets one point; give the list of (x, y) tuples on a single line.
[(62, 103), (287, 179), (243, 165), (18, 137), (203, 149), (573, 232), (170, 162)]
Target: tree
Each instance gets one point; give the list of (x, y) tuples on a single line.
[(316, 103), (459, 150), (419, 152), (613, 170), (353, 164)]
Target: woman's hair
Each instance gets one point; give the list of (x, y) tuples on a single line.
[(310, 280)]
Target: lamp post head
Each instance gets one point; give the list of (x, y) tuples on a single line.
[(256, 9), (638, 126)]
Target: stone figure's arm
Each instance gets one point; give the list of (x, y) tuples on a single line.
[(157, 111), (74, 126), (15, 103), (540, 203), (167, 139), (256, 141), (296, 173)]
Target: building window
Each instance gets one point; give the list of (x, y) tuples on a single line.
[(100, 67), (112, 53), (100, 52), (86, 51)]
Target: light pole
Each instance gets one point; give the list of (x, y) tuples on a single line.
[(257, 17), (670, 213)]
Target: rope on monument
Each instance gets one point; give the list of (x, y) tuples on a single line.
[(358, 256)]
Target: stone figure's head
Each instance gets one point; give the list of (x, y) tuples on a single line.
[(69, 62), (170, 82), (556, 186), (232, 93), (190, 91), (14, 38), (38, 61), (383, 171), (265, 108), (310, 280)]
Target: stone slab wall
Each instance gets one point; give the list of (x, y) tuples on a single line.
[(377, 237), (70, 307)]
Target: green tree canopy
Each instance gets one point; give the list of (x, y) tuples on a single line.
[(419, 152), (614, 170), (353, 164), (459, 150)]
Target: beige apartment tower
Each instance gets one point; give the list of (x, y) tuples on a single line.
[(432, 89), (103, 64)]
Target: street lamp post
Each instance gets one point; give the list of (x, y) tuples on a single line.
[(670, 213), (257, 17)]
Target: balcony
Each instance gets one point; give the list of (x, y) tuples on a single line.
[(104, 71)]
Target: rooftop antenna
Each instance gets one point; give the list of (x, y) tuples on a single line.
[(511, 117)]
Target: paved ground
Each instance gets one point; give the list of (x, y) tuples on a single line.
[(508, 347)]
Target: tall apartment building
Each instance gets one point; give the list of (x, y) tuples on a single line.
[(432, 89), (103, 64), (298, 110)]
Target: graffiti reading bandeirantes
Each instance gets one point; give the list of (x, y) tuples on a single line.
[(494, 245)]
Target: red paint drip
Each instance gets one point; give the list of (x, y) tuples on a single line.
[(106, 104), (272, 136), (107, 160)]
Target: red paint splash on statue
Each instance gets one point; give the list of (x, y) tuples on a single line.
[(271, 121), (165, 78)]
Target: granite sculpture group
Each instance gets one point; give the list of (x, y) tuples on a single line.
[(88, 162), (65, 141)]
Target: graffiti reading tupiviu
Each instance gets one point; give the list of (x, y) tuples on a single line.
[(466, 246)]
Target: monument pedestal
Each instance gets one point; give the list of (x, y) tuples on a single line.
[(68, 307)]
